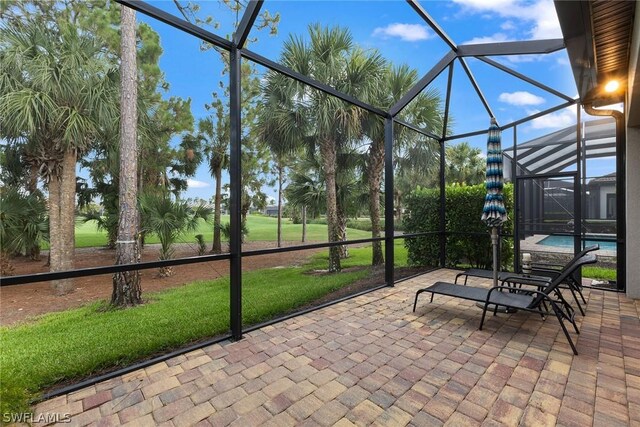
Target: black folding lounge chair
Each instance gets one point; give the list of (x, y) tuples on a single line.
[(543, 274), (518, 298)]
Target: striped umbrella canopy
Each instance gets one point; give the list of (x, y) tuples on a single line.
[(494, 212)]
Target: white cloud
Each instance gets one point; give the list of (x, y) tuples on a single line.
[(520, 98), (507, 26), (539, 15), (193, 183), (406, 32), (495, 38), (557, 120)]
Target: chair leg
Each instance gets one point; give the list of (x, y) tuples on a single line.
[(484, 313), (578, 288), (415, 302), (584, 301), (564, 329), (575, 297), (457, 276)]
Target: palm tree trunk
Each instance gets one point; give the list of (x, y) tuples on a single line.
[(342, 229), (376, 168), (304, 224), (244, 210), (6, 268), (328, 152), (141, 233), (280, 181), (32, 185), (217, 245), (62, 192), (55, 245), (126, 285), (398, 205)]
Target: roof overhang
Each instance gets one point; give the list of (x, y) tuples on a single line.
[(597, 35)]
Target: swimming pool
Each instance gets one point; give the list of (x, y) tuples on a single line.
[(567, 242)]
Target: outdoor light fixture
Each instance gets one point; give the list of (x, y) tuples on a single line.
[(611, 86), (608, 92)]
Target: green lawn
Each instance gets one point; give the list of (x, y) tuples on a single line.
[(600, 273), (261, 228), (76, 343)]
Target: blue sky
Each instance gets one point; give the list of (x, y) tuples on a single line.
[(401, 36)]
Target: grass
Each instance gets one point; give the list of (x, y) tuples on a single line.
[(600, 273), (261, 228), (74, 344)]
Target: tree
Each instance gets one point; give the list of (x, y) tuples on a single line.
[(417, 157), (160, 166), (306, 191), (168, 219), (276, 113), (126, 284), (58, 94), (215, 133), (464, 164), (415, 164), (254, 162), (326, 122), (351, 190), (423, 111)]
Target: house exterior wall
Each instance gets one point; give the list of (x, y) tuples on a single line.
[(632, 210), (604, 190)]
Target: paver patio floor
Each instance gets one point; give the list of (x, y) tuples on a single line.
[(370, 360)]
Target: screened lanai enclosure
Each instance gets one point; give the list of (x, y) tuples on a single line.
[(567, 187), (329, 172)]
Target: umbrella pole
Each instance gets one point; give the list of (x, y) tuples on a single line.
[(494, 243)]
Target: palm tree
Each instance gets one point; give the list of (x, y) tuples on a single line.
[(168, 219), (23, 226), (423, 111), (126, 284), (277, 112), (215, 134), (464, 164), (58, 93), (305, 191), (323, 120)]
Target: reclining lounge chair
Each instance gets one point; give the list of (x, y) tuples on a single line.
[(519, 298), (543, 275)]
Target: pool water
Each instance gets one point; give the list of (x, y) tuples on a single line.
[(567, 242)]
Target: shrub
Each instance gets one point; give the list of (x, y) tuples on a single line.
[(202, 245), (463, 207)]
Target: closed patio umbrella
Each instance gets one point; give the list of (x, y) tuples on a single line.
[(494, 212)]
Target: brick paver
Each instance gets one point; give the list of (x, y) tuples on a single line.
[(371, 361)]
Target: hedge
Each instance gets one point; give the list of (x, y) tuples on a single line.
[(463, 208)]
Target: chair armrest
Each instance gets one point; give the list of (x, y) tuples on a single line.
[(546, 271), (530, 279), (509, 288), (547, 265)]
